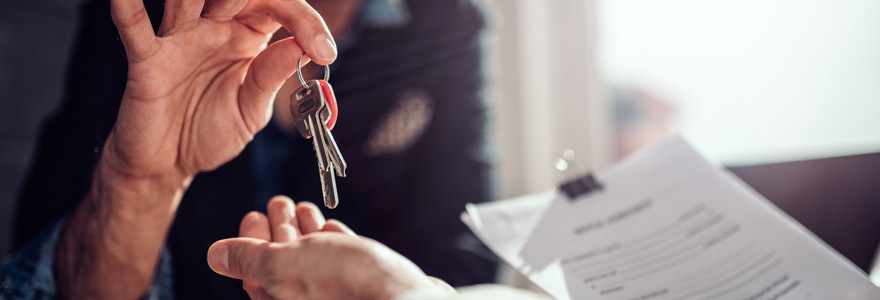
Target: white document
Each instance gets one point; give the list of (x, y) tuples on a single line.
[(504, 227), (667, 225)]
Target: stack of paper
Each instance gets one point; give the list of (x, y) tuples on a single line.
[(667, 225)]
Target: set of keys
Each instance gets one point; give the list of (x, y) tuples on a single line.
[(314, 111)]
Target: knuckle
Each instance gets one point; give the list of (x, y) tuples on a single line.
[(130, 19)]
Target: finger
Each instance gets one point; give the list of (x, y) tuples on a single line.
[(238, 258), (282, 219), (135, 29), (307, 26), (222, 10), (265, 75), (309, 217), (336, 226), (180, 13), (255, 225)]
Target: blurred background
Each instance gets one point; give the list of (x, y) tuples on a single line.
[(772, 89), (35, 43), (747, 82)]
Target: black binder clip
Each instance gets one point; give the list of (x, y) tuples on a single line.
[(580, 186)]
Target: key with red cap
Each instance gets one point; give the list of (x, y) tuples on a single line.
[(314, 110)]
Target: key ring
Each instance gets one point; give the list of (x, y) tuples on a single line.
[(299, 71)]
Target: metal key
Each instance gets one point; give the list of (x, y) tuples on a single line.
[(310, 111)]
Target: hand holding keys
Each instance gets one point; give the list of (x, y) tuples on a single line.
[(314, 109)]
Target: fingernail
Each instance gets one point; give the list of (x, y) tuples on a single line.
[(291, 207), (218, 258), (253, 216), (325, 47)]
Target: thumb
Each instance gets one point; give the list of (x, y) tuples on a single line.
[(239, 258), (265, 75)]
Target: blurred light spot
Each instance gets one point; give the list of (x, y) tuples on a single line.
[(404, 124)]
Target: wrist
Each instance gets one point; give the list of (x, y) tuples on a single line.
[(117, 234), (114, 185)]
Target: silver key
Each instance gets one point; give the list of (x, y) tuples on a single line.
[(310, 111)]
